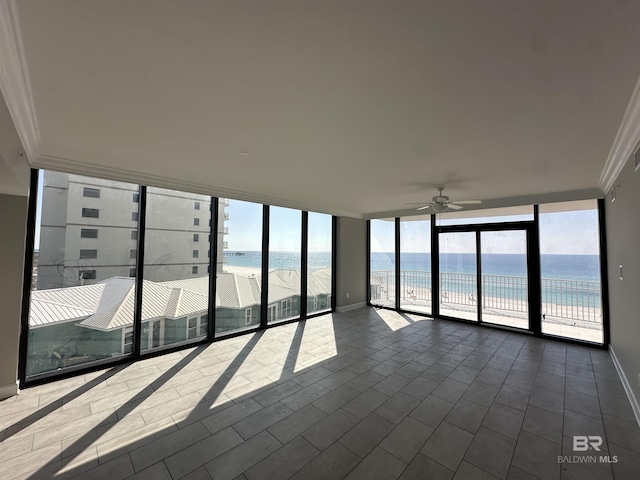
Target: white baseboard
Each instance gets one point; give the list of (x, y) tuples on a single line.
[(353, 306), (627, 386), (7, 391)]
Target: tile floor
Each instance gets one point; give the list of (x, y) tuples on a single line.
[(360, 395)]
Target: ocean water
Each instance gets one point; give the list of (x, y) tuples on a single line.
[(566, 279), (565, 267), (572, 269), (560, 267), (279, 260)]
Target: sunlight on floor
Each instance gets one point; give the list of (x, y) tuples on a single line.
[(394, 320)]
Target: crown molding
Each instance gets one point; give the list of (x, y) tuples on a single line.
[(625, 143), (14, 79), (66, 165)]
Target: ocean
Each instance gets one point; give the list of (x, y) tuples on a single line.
[(279, 260), (560, 267), (566, 279), (565, 267)]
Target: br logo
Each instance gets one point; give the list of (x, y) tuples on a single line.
[(582, 443)]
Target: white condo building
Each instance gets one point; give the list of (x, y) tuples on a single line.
[(89, 232)]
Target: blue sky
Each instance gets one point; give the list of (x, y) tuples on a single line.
[(569, 233), (574, 232), (245, 228)]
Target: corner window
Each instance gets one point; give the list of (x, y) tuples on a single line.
[(68, 324)]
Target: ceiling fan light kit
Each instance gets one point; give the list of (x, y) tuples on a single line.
[(440, 203)]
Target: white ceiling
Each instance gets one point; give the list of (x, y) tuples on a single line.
[(349, 106)]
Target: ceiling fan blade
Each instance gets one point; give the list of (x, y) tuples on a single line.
[(453, 206), (423, 208), (418, 203), (469, 202)]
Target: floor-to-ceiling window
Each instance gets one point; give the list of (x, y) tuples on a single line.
[(382, 278), (506, 267), (319, 256), (415, 263), (239, 269), (81, 308), (84, 304), (285, 234), (570, 270), (175, 292)]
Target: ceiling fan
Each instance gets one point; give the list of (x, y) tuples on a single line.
[(440, 203)]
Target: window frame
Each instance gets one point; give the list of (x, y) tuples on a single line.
[(136, 237), (92, 274), (126, 331), (87, 210), (83, 231), (90, 192), (286, 305), (88, 256)]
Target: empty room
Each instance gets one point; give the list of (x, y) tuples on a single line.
[(319, 239)]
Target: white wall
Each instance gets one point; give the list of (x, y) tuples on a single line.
[(623, 245), (352, 262), (13, 221)]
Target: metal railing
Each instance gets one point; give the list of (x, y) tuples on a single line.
[(573, 299), (564, 299)]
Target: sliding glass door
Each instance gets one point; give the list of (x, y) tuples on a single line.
[(484, 274), (505, 278), (458, 279)]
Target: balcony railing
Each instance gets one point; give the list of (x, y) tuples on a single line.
[(563, 299)]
